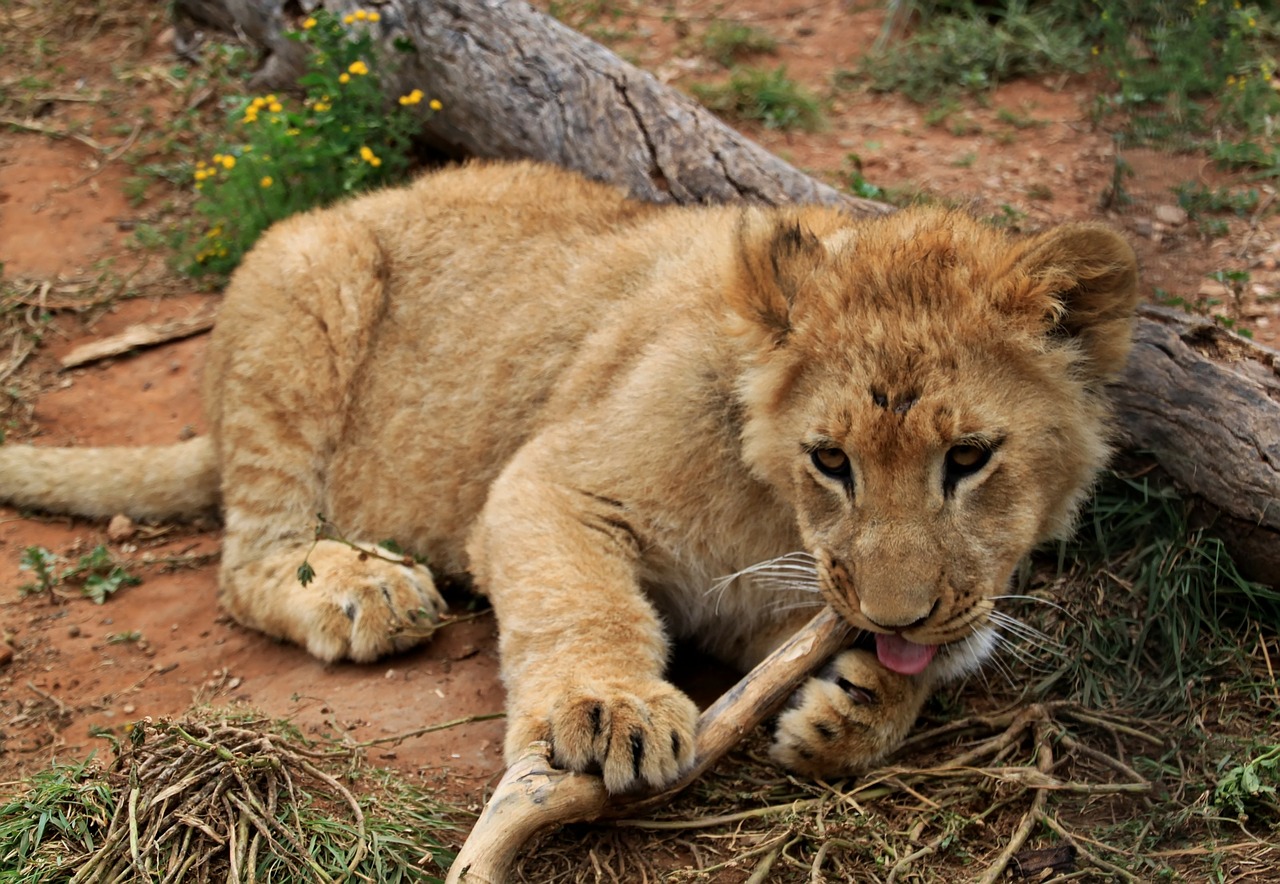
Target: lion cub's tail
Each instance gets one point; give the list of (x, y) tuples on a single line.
[(150, 482)]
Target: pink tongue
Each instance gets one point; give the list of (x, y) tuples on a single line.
[(902, 656)]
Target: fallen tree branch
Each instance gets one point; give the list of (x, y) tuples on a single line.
[(146, 334), (534, 796)]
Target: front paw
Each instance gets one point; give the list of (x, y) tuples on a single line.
[(364, 604), (634, 732), (848, 718)]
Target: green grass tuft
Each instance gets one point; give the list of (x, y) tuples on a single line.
[(961, 48), (1164, 605), (729, 42), (764, 96)]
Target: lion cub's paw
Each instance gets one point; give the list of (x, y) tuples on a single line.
[(846, 719), (363, 605), (634, 732)]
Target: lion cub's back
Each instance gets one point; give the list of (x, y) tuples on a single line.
[(448, 311)]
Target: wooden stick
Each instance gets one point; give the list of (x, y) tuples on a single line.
[(146, 334), (534, 795)]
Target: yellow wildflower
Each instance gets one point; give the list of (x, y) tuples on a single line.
[(275, 107), (292, 132), (359, 68), (344, 77), (366, 154), (373, 16), (348, 19), (322, 106), (361, 15), (266, 181), (228, 162), (435, 104), (308, 24), (412, 98)]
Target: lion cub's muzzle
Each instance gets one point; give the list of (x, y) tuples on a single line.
[(910, 621)]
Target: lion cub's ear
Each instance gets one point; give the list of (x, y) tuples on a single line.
[(777, 255), (1088, 276)]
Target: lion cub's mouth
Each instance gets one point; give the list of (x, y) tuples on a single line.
[(904, 657)]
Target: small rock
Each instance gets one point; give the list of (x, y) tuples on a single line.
[(128, 709), (234, 683), (1144, 227), (6, 654), (73, 631), (1174, 216), (121, 528)]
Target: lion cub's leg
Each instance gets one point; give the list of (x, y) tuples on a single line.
[(849, 717), (583, 650), (286, 367)]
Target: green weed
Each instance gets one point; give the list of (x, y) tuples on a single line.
[(98, 574), (1198, 199), (858, 185), (729, 42), (764, 96), (1188, 67), (960, 48), (1250, 787), (288, 157)]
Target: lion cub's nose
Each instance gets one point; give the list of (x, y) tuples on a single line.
[(896, 621)]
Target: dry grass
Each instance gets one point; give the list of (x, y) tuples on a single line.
[(205, 800)]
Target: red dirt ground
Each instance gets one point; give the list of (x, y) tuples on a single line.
[(63, 213)]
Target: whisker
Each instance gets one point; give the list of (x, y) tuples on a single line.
[(793, 571), (1025, 631), (1031, 598)]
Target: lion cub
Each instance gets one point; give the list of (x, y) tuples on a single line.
[(633, 423)]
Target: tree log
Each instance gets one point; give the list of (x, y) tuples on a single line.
[(516, 83)]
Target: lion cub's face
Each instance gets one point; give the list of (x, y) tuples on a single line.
[(927, 393)]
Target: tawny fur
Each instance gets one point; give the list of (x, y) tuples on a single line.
[(598, 407)]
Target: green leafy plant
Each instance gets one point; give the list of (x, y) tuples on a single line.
[(961, 47), (1198, 199), (728, 42), (40, 562), (764, 96), (1252, 786), (98, 574), (288, 156)]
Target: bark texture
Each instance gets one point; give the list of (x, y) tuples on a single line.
[(516, 83)]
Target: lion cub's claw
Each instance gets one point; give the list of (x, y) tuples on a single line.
[(635, 734), (846, 719), (365, 606)]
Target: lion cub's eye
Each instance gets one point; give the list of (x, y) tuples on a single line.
[(965, 460), (832, 462)]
